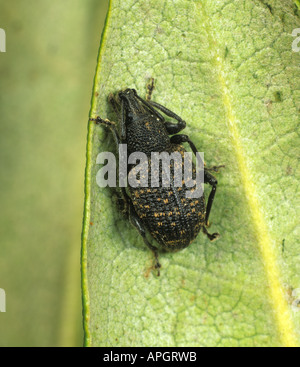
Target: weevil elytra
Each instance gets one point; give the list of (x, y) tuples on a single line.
[(170, 217)]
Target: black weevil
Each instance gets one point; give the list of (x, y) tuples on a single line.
[(172, 219)]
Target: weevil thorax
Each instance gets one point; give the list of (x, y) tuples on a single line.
[(145, 132)]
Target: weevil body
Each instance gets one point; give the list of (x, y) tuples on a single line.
[(173, 219)]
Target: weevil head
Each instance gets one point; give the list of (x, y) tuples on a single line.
[(131, 103)]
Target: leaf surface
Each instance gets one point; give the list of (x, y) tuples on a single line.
[(228, 69)]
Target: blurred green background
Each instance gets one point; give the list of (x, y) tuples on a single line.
[(45, 91)]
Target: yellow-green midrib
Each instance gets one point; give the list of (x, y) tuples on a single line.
[(282, 314)]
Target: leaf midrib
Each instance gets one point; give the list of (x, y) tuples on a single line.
[(282, 314)]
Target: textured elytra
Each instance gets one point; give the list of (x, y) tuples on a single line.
[(173, 219)]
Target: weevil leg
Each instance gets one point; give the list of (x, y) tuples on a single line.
[(111, 125), (166, 111), (114, 103), (123, 123), (215, 168), (124, 202), (120, 111), (182, 138), (113, 128), (136, 222), (150, 88), (210, 179), (150, 108), (212, 237), (172, 127)]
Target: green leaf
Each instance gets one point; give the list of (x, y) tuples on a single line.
[(46, 73), (229, 70)]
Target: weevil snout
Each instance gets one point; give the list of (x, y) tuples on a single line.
[(127, 93), (132, 104)]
